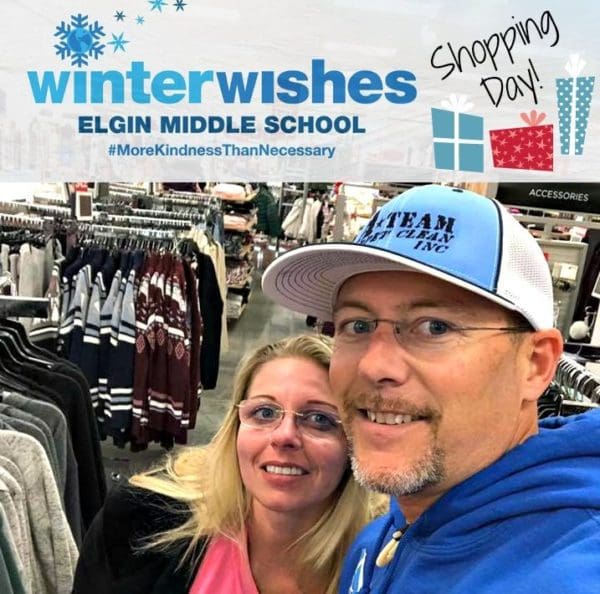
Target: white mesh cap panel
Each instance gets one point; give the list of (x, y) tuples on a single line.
[(525, 278), (310, 284)]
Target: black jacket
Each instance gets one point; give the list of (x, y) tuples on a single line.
[(111, 561), (267, 219), (66, 392)]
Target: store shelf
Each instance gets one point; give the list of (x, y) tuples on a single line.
[(245, 229), (243, 285), (249, 226), (239, 266), (247, 198), (238, 314), (236, 303), (245, 251)]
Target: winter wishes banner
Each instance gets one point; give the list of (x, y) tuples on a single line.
[(382, 90)]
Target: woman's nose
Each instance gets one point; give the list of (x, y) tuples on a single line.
[(287, 433)]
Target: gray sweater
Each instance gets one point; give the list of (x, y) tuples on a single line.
[(55, 552)]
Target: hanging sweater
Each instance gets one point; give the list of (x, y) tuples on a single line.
[(55, 550)]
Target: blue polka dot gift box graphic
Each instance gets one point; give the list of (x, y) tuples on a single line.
[(574, 97), (457, 136), (527, 147)]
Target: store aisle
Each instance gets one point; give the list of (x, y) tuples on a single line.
[(261, 322)]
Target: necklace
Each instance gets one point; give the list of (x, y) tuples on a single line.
[(389, 550)]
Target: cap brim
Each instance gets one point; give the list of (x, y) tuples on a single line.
[(307, 279)]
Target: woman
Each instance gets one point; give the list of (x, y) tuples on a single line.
[(269, 506)]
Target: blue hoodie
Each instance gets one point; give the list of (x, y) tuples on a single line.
[(527, 524)]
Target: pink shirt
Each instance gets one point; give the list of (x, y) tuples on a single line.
[(225, 569)]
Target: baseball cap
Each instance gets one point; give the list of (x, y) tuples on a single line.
[(449, 233)]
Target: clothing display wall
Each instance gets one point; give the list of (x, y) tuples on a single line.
[(51, 473), (138, 314), (138, 335), (566, 281), (590, 275), (305, 219), (574, 389), (240, 220), (142, 310)]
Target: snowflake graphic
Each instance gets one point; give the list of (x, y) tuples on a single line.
[(157, 4), (118, 42), (79, 40), (139, 20), (119, 15), (179, 4)]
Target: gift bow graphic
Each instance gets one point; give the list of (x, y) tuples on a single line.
[(575, 65), (533, 118), (457, 103)]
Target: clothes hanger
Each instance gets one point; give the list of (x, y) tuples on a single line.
[(550, 402), (13, 342), (14, 332), (8, 377), (6, 352), (9, 381)]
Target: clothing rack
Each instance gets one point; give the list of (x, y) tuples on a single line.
[(191, 196), (30, 221), (125, 189), (123, 230), (206, 214), (573, 390), (187, 199), (45, 200), (168, 199), (580, 385), (27, 207), (146, 213), (127, 195), (25, 307), (103, 217), (21, 220), (34, 217)]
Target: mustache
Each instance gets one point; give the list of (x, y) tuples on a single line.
[(376, 400)]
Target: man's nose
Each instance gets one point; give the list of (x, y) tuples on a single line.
[(383, 359)]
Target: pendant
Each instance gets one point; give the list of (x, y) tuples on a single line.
[(389, 550)]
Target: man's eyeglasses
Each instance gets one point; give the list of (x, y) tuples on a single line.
[(265, 415), (424, 335)]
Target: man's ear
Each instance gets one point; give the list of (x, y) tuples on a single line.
[(542, 350)]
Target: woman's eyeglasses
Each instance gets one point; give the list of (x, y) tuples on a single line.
[(314, 422)]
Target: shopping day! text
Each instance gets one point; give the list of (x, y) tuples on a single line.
[(497, 51)]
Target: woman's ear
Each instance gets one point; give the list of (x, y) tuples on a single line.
[(542, 350)]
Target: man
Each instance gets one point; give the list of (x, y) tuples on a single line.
[(443, 315)]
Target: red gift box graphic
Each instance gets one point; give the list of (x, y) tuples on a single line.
[(530, 147)]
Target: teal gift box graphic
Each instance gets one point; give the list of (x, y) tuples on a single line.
[(574, 97), (457, 136)]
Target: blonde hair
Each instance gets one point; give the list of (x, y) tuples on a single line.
[(208, 480)]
